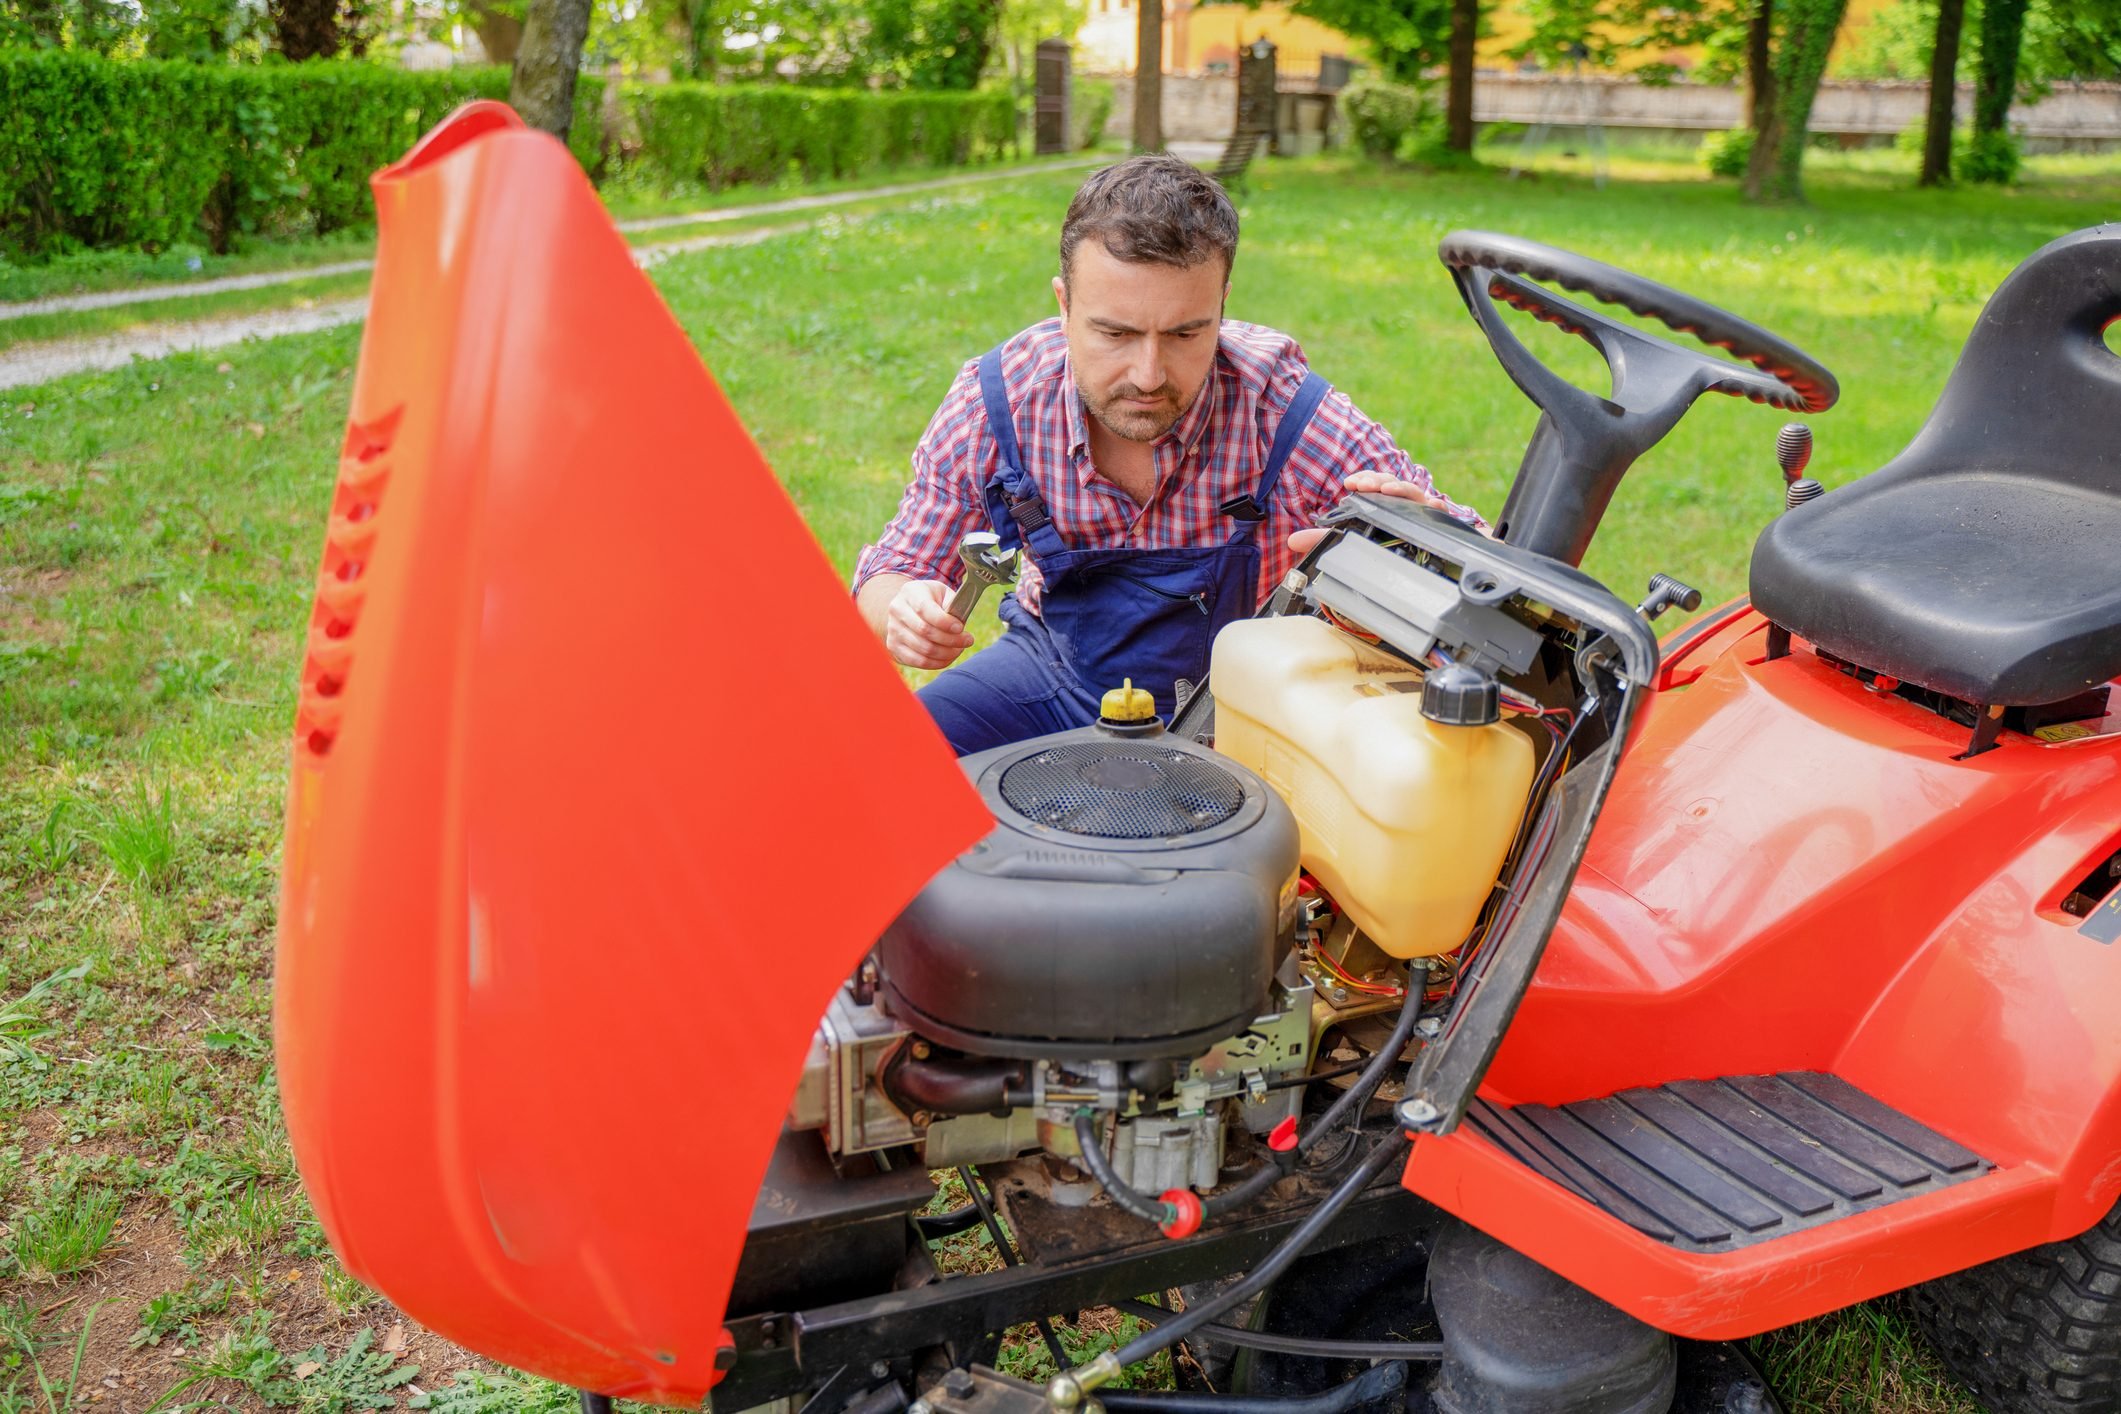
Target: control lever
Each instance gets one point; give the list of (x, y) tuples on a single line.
[(1793, 452), (1666, 593)]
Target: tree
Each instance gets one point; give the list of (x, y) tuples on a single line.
[(321, 29), (1409, 37), (542, 87), (1775, 170), (1760, 67), (1149, 79), (1994, 156), (1458, 93), (2072, 39), (1944, 89)]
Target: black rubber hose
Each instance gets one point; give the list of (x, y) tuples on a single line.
[(1130, 1200), (1262, 1276), (1320, 1347), (950, 1224), (1357, 1095), (1381, 1382), (1257, 1182)]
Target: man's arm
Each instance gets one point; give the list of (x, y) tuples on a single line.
[(910, 616), (903, 581), (1344, 452)]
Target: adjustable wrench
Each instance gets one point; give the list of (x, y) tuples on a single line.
[(986, 562)]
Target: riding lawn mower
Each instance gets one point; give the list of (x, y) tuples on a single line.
[(1466, 1001)]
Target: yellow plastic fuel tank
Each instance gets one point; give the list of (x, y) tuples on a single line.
[(1405, 820)]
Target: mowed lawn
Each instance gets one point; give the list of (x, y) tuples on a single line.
[(159, 529)]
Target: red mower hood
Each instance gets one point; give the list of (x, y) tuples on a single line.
[(580, 696)]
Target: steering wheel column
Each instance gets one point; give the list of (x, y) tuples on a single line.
[(1585, 443)]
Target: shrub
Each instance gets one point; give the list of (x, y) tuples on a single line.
[(722, 135), (1976, 157), (1383, 116), (1092, 110), (95, 152), (1726, 154), (1988, 157)]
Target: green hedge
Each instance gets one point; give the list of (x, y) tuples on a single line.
[(101, 153), (686, 134)]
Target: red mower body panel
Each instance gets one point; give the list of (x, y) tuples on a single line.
[(1794, 873), (530, 1084)]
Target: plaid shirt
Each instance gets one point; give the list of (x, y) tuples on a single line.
[(1216, 451)]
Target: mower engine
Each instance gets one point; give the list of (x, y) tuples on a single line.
[(1120, 942)]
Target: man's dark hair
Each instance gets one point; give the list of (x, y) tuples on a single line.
[(1155, 209)]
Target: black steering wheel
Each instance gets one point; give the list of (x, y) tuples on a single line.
[(1585, 443)]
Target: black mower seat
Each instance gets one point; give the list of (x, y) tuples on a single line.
[(1984, 561)]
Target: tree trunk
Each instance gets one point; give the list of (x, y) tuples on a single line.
[(1760, 68), (1149, 80), (542, 88), (1458, 95), (703, 40), (1996, 73), (1775, 171), (500, 34), (306, 29), (1944, 90)]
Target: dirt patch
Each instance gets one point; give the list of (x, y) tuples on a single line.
[(29, 601), (147, 1261)]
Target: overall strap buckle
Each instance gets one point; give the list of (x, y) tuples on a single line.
[(1245, 508), (1029, 514)]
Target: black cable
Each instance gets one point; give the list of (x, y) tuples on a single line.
[(1357, 1095), (1322, 1347), (1263, 1275), (1382, 1382), (1129, 1199), (967, 1176), (1315, 1076), (1268, 1174)]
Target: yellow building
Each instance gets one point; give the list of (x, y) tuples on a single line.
[(1201, 39), (1205, 38)]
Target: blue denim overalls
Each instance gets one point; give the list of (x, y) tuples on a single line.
[(1105, 615)]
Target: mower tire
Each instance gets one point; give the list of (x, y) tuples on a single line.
[(2037, 1332)]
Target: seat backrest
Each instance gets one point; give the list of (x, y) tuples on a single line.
[(2036, 392)]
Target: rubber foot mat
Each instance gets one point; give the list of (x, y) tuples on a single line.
[(1712, 1165)]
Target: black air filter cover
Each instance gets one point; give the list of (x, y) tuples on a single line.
[(1132, 901)]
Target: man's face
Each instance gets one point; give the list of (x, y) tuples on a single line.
[(1141, 337)]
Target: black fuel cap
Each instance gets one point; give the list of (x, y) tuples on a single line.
[(1458, 695)]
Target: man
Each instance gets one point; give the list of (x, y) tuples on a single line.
[(1155, 461)]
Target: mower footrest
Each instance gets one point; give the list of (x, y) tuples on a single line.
[(1712, 1165)]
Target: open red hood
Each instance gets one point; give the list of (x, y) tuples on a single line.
[(600, 787)]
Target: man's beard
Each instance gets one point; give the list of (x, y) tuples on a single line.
[(1136, 424)]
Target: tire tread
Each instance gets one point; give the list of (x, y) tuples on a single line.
[(2037, 1332)]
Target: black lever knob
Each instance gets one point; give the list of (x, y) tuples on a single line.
[(1793, 449), (1667, 593)]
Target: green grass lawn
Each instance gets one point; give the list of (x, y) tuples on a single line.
[(159, 528)]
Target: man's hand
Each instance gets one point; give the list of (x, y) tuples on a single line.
[(918, 631), (1380, 483)]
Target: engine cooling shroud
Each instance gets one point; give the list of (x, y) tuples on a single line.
[(1131, 902)]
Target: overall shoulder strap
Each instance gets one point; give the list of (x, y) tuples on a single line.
[(1014, 508), (1303, 407)]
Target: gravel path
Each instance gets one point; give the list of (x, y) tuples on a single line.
[(25, 364), (105, 299)]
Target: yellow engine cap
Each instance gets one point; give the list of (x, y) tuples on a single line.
[(1128, 703)]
